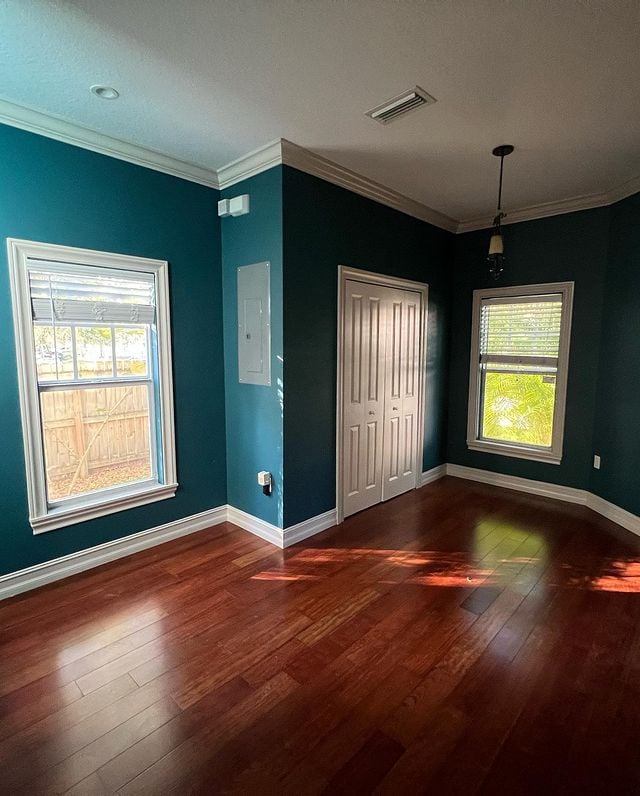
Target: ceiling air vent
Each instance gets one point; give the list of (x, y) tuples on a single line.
[(403, 103)]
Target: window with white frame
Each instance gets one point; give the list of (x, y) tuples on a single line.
[(519, 364), (94, 369)]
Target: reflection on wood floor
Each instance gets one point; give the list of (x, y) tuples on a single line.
[(458, 639)]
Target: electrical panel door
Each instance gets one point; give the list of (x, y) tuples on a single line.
[(254, 324)]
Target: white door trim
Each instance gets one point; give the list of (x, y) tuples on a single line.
[(368, 277)]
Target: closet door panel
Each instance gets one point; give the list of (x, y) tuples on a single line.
[(363, 399), (402, 379)]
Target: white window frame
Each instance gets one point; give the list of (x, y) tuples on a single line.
[(42, 516), (552, 455)]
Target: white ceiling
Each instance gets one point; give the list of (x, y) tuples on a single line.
[(207, 81)]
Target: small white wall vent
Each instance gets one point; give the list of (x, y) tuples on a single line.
[(403, 103)]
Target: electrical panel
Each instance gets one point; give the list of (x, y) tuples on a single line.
[(254, 324)]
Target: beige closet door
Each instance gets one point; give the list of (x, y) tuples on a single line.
[(362, 399), (380, 390), (401, 394)]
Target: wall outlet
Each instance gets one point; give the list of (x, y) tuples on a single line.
[(596, 462), (266, 481)]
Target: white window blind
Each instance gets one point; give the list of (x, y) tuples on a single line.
[(91, 296), (521, 333)]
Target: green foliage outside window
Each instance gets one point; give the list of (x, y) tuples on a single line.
[(518, 407)]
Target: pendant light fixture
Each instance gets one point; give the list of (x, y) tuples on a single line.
[(496, 256)]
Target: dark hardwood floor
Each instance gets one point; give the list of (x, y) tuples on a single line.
[(458, 639)]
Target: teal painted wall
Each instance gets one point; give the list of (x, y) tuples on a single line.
[(61, 194), (617, 429), (306, 227), (326, 226), (570, 247), (254, 412)]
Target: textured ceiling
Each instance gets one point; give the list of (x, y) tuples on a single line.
[(207, 81)]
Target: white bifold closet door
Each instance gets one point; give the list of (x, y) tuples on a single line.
[(381, 377)]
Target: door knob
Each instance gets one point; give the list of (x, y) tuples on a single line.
[(395, 408), (371, 412)]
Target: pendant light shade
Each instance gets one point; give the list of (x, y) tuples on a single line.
[(496, 256), (496, 244)]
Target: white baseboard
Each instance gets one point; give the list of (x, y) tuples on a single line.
[(277, 536), (307, 528), (629, 521), (265, 530), (429, 476), (566, 493), (614, 513), (40, 574), (50, 571)]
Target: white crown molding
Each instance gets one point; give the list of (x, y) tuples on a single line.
[(282, 151), (585, 202), (255, 162), (290, 154), (53, 127), (304, 160), (538, 211), (625, 190), (50, 571)]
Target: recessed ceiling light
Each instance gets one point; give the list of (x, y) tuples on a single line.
[(105, 92)]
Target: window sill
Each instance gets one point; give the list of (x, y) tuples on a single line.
[(61, 518), (502, 449)]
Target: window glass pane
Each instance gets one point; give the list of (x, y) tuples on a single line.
[(518, 407), (95, 438), (94, 352), (131, 351), (54, 356)]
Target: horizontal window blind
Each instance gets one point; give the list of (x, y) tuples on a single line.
[(521, 333), (84, 295)]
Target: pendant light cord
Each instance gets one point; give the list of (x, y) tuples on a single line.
[(500, 185), (496, 245)]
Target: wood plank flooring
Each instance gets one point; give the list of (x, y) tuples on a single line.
[(458, 639)]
